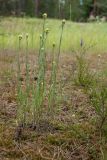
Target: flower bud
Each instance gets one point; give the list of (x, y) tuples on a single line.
[(20, 37), (47, 30), (45, 15), (42, 49), (27, 35), (54, 62), (54, 44), (40, 36), (63, 22), (99, 55)]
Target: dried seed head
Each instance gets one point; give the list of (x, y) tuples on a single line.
[(63, 22), (45, 15), (20, 37)]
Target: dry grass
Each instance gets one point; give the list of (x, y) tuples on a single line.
[(71, 135)]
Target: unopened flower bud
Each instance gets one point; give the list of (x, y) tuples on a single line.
[(40, 36), (42, 49), (27, 35), (54, 44), (63, 22), (45, 15), (20, 37), (99, 55), (47, 30)]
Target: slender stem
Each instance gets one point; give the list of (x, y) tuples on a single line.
[(18, 78), (60, 42)]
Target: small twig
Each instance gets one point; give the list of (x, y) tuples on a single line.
[(18, 146)]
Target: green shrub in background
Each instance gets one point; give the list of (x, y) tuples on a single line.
[(50, 7), (30, 8), (76, 11)]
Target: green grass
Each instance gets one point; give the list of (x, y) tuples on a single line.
[(94, 34)]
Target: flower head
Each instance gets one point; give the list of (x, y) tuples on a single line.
[(54, 44), (27, 35), (99, 55), (40, 36), (20, 37), (47, 30), (42, 49), (54, 62), (45, 15), (73, 115), (63, 22)]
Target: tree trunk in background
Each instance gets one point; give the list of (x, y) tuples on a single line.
[(94, 7), (36, 7)]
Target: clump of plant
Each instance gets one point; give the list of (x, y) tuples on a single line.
[(39, 88), (19, 89), (98, 96), (31, 97), (27, 81), (22, 94), (55, 62), (83, 75)]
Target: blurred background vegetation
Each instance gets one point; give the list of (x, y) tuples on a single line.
[(75, 10)]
